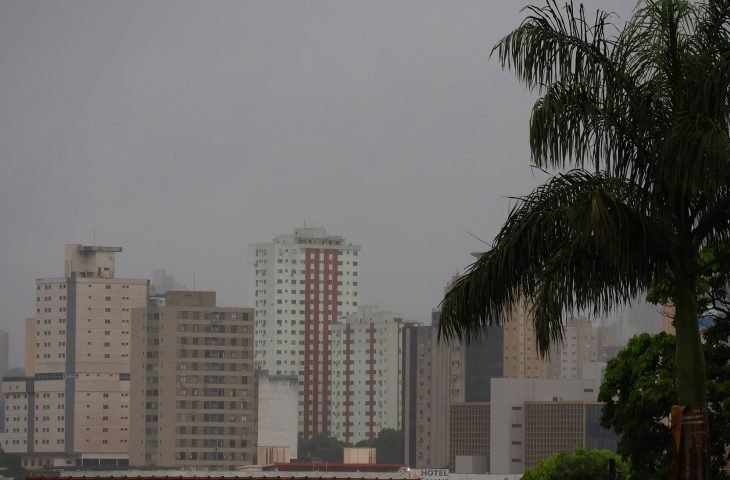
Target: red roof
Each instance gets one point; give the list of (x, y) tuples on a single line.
[(339, 467), (53, 476)]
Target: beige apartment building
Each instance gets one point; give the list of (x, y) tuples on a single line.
[(521, 357), (72, 407), (193, 389)]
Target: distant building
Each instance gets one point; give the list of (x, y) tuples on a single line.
[(521, 357), (193, 402), (77, 366), (301, 284), (162, 282), (562, 426), (438, 375), (277, 413), (584, 342), (469, 431), (533, 418), (366, 374)]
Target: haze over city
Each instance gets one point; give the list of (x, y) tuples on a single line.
[(184, 131)]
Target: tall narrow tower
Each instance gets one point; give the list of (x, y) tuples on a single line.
[(301, 283)]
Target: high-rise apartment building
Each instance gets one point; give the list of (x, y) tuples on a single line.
[(193, 393), (438, 375), (366, 374), (521, 357), (72, 408), (583, 342), (301, 284)]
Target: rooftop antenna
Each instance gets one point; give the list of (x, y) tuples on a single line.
[(93, 236), (193, 281)]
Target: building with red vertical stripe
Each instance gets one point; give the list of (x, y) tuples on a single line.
[(367, 374), (300, 284)]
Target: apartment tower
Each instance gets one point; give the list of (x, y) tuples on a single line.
[(521, 357), (72, 407), (438, 376), (193, 402), (366, 374), (301, 284)]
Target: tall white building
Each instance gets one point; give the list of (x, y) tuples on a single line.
[(300, 284), (72, 407), (367, 374)]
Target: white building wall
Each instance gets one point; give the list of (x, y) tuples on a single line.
[(277, 416), (507, 414)]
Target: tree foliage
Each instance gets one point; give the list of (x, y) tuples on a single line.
[(10, 466), (388, 446), (321, 447), (639, 391), (637, 119), (580, 465)]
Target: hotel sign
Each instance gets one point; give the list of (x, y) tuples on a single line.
[(430, 473)]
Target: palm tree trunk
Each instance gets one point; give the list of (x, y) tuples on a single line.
[(689, 419)]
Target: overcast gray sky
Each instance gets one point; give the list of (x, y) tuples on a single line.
[(185, 130)]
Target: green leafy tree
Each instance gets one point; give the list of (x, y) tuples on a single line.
[(10, 466), (639, 391), (641, 115), (580, 465), (388, 446), (321, 447)]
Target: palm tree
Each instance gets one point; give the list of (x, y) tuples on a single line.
[(634, 125)]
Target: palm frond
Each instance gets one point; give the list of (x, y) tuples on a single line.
[(581, 241), (712, 220), (550, 46)]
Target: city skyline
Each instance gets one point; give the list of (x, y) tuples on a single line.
[(387, 123)]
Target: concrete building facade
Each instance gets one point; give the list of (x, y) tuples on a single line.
[(533, 418), (193, 387), (437, 375), (469, 431), (367, 374), (521, 358), (301, 284), (563, 426), (584, 342), (277, 412), (72, 407)]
